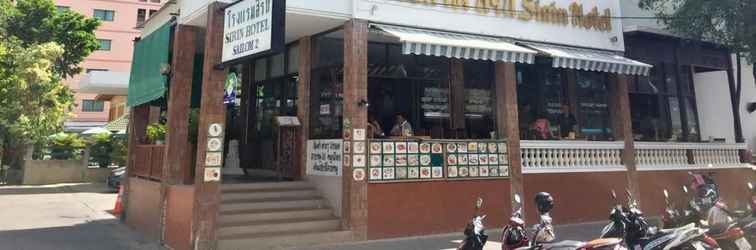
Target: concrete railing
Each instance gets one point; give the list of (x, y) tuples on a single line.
[(571, 156), (672, 155)]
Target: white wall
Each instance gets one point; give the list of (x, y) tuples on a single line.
[(330, 188), (714, 106), (630, 9), (748, 95)]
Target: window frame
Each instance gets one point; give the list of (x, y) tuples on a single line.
[(102, 48), (105, 15), (91, 106)]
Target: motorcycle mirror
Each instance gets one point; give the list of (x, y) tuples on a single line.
[(517, 198), (685, 189), (614, 195), (479, 203), (666, 194), (750, 186)]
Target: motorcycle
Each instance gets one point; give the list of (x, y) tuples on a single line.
[(728, 233), (677, 217), (475, 236), (515, 237), (629, 222)]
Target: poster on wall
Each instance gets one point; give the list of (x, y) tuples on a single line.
[(324, 157), (253, 28)]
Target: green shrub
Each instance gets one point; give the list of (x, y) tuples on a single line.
[(66, 146), (156, 132), (120, 150), (100, 149)]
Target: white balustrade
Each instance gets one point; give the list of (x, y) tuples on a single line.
[(571, 156), (672, 155)]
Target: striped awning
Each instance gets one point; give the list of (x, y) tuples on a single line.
[(592, 60), (456, 45)]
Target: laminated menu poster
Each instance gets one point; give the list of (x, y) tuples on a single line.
[(419, 160), (405, 160), (478, 102)]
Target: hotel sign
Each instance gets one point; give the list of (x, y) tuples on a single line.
[(570, 22), (253, 28)]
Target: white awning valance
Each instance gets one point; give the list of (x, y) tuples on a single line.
[(592, 60), (456, 45)]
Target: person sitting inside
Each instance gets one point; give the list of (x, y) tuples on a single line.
[(374, 128), (540, 130), (401, 127)]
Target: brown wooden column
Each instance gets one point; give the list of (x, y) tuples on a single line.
[(136, 132), (354, 198), (212, 110), (303, 99), (507, 121), (177, 169), (457, 95), (621, 118)]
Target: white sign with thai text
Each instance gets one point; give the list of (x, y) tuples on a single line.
[(247, 28), (324, 157)]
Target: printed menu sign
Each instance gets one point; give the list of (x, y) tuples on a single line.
[(324, 157)]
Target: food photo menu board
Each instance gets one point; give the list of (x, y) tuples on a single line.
[(421, 160)]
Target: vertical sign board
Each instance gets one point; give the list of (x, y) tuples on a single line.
[(214, 156), (253, 28)]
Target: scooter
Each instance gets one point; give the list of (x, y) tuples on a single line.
[(515, 237), (676, 217), (475, 236), (718, 218), (630, 222)]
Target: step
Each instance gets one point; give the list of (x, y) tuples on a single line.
[(272, 204), (265, 185), (282, 226), (274, 214), (300, 193), (283, 240)]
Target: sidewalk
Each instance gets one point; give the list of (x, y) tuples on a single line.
[(582, 232), (63, 217)]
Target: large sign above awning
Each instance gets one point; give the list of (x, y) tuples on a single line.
[(579, 23), (253, 28)]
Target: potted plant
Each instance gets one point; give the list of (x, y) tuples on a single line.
[(156, 133)]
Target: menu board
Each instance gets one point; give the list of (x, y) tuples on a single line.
[(419, 160), (478, 102), (435, 103)]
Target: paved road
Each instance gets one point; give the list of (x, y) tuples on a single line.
[(583, 232), (63, 217)]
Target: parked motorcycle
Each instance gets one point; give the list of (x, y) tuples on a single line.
[(629, 222), (475, 236), (722, 227), (515, 236)]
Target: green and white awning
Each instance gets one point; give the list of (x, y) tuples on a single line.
[(591, 60), (456, 45)]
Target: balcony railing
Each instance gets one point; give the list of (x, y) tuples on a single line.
[(670, 155), (571, 156)]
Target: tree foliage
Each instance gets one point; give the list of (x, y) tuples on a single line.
[(731, 23), (39, 21)]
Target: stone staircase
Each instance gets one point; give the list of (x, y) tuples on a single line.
[(276, 215)]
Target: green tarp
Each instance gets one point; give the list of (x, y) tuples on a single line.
[(150, 54)]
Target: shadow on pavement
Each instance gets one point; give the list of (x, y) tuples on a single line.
[(101, 234)]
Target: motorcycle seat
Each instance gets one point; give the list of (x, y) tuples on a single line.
[(603, 242)]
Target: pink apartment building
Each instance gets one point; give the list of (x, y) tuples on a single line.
[(103, 84)]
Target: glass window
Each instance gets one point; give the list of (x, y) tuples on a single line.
[(261, 69), (646, 116), (104, 44), (540, 93), (653, 83), (141, 16), (92, 106), (155, 1), (326, 86), (593, 108), (692, 119), (479, 99), (675, 120), (670, 78), (104, 15), (152, 12), (293, 59), (277, 65), (686, 84)]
